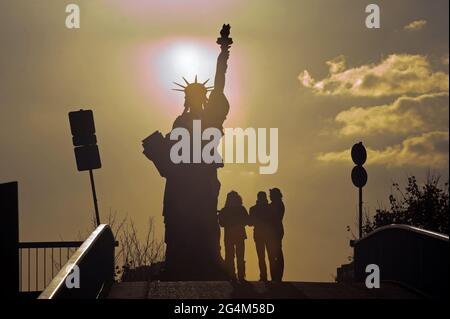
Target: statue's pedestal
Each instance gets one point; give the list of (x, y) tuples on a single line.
[(193, 265)]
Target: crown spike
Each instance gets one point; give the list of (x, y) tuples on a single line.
[(179, 85), (186, 81), (205, 82), (196, 78), (179, 90)]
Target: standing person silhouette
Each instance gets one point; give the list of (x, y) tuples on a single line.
[(233, 218), (260, 219), (276, 258)]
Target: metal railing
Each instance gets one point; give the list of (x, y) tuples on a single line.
[(40, 261), (95, 261)]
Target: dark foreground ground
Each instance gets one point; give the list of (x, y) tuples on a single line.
[(256, 290)]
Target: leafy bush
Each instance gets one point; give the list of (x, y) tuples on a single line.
[(423, 206)]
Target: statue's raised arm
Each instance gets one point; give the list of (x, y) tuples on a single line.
[(225, 43), (217, 106)]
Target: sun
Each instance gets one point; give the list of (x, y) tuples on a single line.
[(171, 59), (186, 59)]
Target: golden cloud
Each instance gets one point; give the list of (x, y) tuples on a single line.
[(426, 150), (405, 115), (416, 25), (398, 74)]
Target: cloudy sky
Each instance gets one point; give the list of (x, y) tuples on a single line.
[(309, 68)]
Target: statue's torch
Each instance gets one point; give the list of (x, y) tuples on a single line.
[(225, 41)]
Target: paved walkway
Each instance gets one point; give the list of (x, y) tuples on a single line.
[(227, 290)]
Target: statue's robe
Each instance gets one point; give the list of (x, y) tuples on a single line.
[(192, 232)]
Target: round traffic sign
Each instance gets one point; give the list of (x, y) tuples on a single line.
[(359, 176), (359, 154)]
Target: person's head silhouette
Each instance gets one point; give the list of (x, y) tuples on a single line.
[(275, 194), (261, 198), (195, 95), (233, 199)]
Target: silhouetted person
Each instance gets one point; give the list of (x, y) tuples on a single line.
[(260, 220), (276, 258), (192, 232), (233, 218)]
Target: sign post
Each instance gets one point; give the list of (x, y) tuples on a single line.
[(359, 177), (86, 150)]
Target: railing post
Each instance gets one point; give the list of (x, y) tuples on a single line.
[(9, 239)]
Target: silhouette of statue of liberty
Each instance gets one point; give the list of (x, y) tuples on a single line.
[(192, 232)]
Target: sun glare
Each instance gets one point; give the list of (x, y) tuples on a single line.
[(183, 59), (170, 60)]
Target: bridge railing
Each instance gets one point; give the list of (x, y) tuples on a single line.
[(40, 261), (414, 257), (95, 262)]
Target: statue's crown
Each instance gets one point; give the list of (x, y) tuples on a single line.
[(194, 87)]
